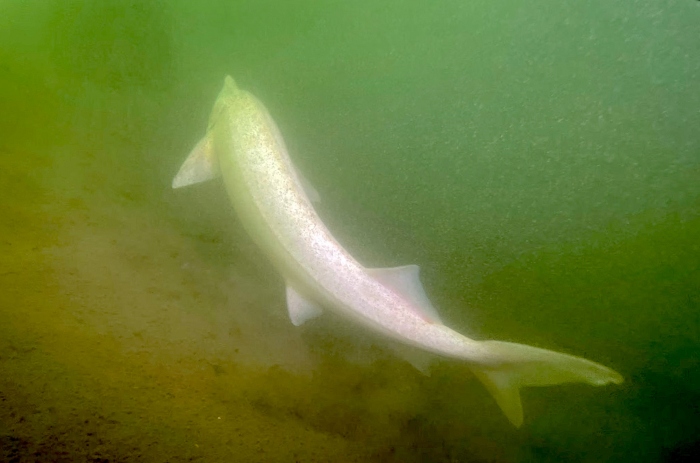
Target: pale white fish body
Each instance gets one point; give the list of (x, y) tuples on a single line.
[(272, 201)]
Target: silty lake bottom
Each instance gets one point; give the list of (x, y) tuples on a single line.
[(139, 323)]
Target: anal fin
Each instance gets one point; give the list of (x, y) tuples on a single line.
[(419, 359)]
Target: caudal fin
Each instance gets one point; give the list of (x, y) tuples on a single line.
[(519, 365)]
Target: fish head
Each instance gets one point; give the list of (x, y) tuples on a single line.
[(227, 95)]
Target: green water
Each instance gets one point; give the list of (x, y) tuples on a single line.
[(539, 160)]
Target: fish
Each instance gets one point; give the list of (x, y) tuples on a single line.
[(275, 205)]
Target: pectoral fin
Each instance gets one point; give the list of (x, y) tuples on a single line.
[(300, 308), (200, 166), (405, 280)]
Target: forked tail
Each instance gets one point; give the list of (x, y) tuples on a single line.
[(518, 365)]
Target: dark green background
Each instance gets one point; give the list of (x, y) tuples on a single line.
[(539, 160)]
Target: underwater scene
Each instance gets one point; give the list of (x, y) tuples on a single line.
[(539, 161)]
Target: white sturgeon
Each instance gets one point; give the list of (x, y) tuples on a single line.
[(273, 201)]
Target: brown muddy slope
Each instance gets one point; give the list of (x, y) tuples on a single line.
[(138, 323)]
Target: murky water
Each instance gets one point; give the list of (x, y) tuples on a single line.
[(540, 161)]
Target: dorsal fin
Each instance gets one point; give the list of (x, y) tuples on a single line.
[(309, 189), (406, 281)]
